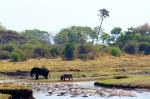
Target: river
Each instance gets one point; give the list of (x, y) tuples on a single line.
[(44, 95)]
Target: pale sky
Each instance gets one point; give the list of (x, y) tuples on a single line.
[(53, 15)]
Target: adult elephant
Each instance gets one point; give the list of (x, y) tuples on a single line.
[(39, 71), (66, 75)]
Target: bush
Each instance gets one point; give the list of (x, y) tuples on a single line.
[(83, 57), (115, 51), (39, 52), (88, 51), (143, 46), (120, 77), (131, 47), (8, 48), (54, 52), (18, 56), (70, 51), (147, 50), (4, 55)]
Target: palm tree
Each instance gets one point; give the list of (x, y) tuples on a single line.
[(103, 13)]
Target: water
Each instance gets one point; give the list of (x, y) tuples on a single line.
[(42, 95), (144, 95)]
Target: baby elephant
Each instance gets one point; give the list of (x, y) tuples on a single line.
[(39, 71), (64, 76)]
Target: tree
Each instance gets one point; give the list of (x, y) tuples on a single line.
[(74, 34), (7, 36), (115, 33), (103, 13), (93, 34), (36, 34), (105, 38), (70, 51)]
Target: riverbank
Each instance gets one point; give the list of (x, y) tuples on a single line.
[(140, 82), (15, 91)]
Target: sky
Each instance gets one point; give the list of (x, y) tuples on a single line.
[(53, 15)]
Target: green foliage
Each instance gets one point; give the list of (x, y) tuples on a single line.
[(7, 36), (18, 55), (70, 51), (83, 57), (54, 52), (36, 34), (88, 51), (131, 47), (39, 52), (115, 51), (8, 47), (121, 77), (105, 38), (73, 34), (4, 55), (116, 32), (144, 47)]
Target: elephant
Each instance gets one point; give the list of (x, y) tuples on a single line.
[(39, 71), (66, 75)]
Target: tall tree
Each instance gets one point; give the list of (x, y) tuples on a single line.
[(105, 38), (116, 31), (74, 34), (36, 34), (103, 13)]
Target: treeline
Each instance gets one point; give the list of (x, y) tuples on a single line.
[(73, 42)]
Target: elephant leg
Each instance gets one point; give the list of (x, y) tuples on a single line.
[(37, 76), (46, 77)]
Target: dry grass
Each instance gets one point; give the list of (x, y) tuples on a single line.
[(5, 96), (104, 65), (109, 62)]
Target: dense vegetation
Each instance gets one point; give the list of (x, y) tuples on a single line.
[(73, 42)]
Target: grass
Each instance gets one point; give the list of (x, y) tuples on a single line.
[(5, 96), (12, 86), (16, 91), (129, 82), (103, 66)]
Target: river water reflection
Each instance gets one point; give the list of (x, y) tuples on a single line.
[(44, 95)]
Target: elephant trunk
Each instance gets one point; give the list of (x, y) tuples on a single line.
[(31, 74)]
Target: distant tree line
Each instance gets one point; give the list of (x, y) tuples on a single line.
[(73, 42)]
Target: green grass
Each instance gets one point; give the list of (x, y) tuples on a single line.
[(124, 80)]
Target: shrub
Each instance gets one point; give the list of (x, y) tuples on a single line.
[(54, 52), (120, 77), (39, 52), (131, 47), (18, 56), (83, 57), (4, 55), (14, 57), (88, 51), (143, 46), (147, 50), (70, 51), (115, 51), (8, 48)]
